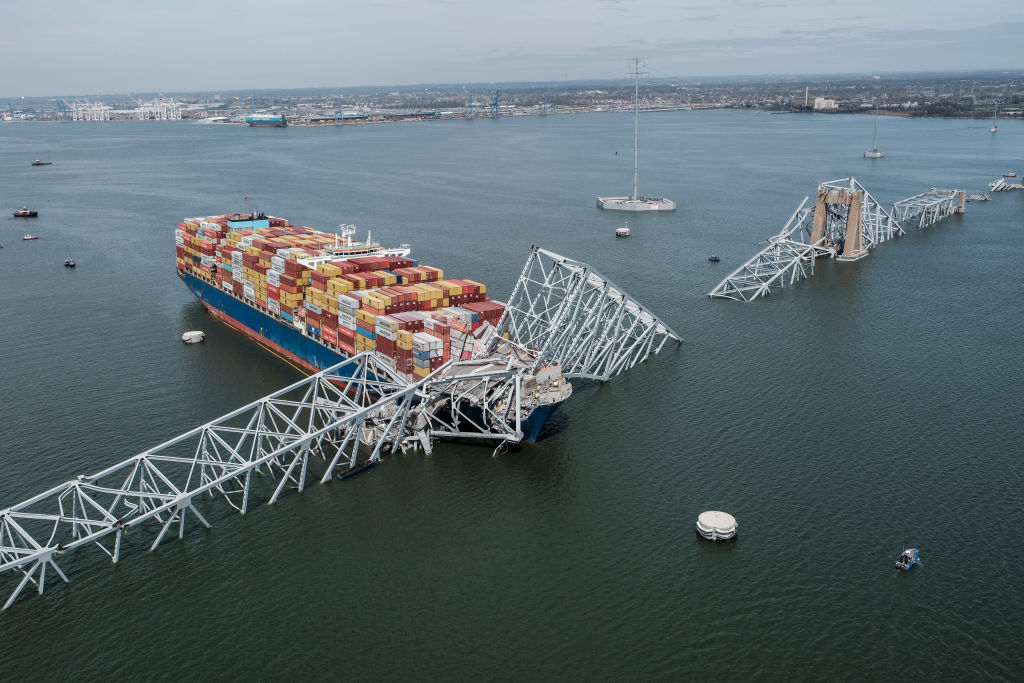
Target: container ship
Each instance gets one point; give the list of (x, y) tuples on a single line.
[(272, 120), (316, 298)]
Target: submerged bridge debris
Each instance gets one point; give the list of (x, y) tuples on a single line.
[(564, 320), (845, 223)]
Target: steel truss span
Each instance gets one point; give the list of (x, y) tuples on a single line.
[(844, 223), (570, 315), (929, 207), (788, 258), (317, 424), (337, 422)]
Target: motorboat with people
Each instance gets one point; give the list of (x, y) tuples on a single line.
[(907, 559), (39, 162), (69, 263), (714, 258)]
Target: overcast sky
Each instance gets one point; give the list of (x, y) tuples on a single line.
[(74, 47)]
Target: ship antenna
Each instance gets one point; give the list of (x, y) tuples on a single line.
[(347, 230)]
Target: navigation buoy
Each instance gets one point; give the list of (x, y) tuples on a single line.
[(716, 526)]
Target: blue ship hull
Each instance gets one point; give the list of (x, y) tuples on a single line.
[(289, 343)]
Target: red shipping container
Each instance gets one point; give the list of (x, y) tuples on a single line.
[(273, 293), (329, 335)]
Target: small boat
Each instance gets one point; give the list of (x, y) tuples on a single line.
[(622, 232), (995, 116), (1009, 175), (193, 337), (907, 559), (37, 162), (69, 262), (29, 237), (714, 258), (25, 212)]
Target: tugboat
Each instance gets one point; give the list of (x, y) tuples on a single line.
[(907, 559), (37, 162), (24, 212)]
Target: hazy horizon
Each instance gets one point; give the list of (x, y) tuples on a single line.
[(67, 49)]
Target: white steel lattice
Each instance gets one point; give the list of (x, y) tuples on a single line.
[(573, 316), (790, 255), (787, 259), (338, 421), (927, 208), (877, 224), (321, 421)]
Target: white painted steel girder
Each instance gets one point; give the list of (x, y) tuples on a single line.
[(790, 255), (927, 208), (787, 259), (320, 421), (877, 224), (336, 421), (474, 399), (575, 317)]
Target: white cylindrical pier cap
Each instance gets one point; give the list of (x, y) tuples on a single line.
[(716, 526)]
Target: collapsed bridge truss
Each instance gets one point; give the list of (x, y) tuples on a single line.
[(788, 258), (321, 421), (338, 422), (845, 223), (573, 316)]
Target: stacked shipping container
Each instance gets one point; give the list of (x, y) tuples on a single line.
[(408, 313)]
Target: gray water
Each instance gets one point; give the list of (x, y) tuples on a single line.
[(875, 406)]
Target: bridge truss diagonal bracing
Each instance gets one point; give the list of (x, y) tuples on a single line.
[(929, 207), (575, 317), (845, 222), (336, 420), (788, 258), (850, 219)]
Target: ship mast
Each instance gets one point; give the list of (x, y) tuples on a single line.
[(636, 73)]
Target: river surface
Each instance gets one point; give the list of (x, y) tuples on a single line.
[(876, 406)]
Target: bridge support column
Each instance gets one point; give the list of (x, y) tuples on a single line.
[(853, 249)]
